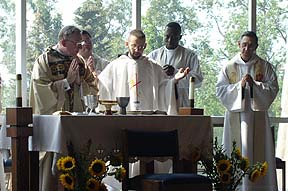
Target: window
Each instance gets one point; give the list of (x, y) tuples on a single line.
[(212, 34)]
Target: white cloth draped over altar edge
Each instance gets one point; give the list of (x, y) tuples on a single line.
[(51, 133), (4, 154)]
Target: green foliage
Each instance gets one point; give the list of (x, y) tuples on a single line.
[(92, 16), (85, 171), (227, 170), (153, 23), (107, 24), (270, 17), (120, 24), (44, 31), (7, 34), (7, 48)]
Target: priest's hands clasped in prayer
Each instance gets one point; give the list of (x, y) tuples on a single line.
[(60, 77), (73, 72), (95, 63), (140, 78), (90, 62), (247, 79)]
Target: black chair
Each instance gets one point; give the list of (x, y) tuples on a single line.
[(158, 144)]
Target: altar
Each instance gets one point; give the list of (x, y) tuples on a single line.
[(51, 133)]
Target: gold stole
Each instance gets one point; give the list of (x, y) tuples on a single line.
[(233, 76), (233, 72)]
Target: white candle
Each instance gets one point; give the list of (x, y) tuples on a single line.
[(18, 85), (191, 88)]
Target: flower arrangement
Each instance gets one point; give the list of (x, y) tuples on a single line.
[(82, 171), (226, 172)]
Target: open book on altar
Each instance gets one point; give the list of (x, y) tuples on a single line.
[(147, 112)]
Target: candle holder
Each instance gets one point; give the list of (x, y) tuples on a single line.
[(191, 110)]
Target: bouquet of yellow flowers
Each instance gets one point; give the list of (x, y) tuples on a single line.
[(226, 172), (82, 171)]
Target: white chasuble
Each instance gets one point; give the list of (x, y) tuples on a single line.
[(180, 57), (143, 81), (246, 117)]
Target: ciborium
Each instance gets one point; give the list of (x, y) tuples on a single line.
[(108, 105)]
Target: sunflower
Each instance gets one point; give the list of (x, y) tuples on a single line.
[(264, 168), (225, 178), (97, 168), (59, 163), (120, 174), (238, 154), (255, 174), (244, 164), (66, 163), (93, 184), (67, 181), (223, 165)]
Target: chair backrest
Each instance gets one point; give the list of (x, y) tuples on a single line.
[(149, 144)]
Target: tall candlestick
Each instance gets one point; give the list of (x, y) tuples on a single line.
[(191, 91), (18, 90)]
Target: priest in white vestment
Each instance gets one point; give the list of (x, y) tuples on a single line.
[(173, 56), (149, 88), (135, 76), (247, 86)]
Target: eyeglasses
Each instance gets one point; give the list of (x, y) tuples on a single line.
[(248, 46), (77, 44), (139, 47), (86, 42)]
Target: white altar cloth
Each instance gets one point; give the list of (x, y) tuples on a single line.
[(51, 133)]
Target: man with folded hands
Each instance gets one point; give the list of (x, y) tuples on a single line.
[(60, 78)]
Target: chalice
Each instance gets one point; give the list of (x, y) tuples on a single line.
[(91, 102), (123, 102)]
